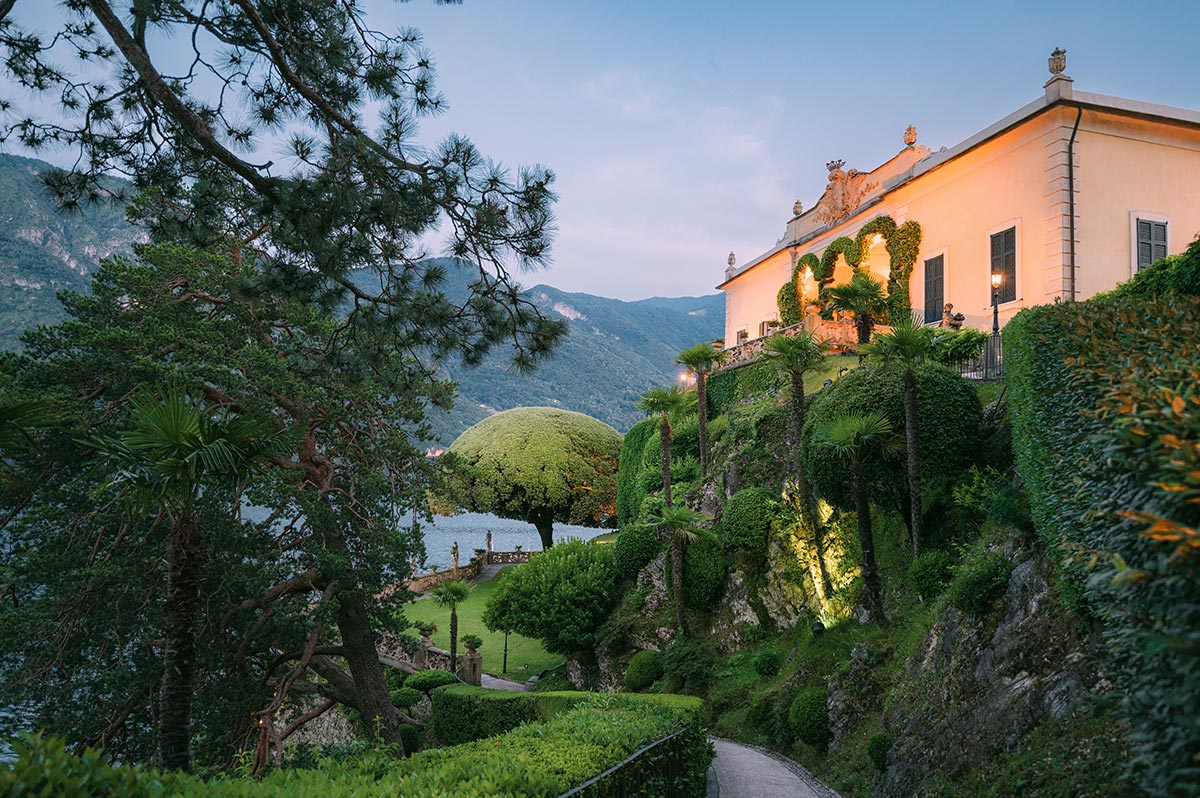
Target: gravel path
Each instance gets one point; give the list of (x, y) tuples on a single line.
[(746, 771)]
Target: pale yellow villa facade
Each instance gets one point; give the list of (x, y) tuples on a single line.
[(1065, 197)]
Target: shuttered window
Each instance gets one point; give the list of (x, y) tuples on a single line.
[(1004, 263), (1151, 242), (935, 288)]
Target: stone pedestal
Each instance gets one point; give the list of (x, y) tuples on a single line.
[(470, 668)]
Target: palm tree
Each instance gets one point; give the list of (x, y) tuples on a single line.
[(793, 357), (450, 594), (175, 452), (699, 360), (864, 297), (664, 402), (855, 438), (907, 345), (677, 524)]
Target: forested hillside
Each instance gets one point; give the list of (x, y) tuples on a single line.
[(626, 347)]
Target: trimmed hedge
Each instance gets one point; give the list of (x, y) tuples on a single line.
[(703, 571), (809, 717), (645, 668), (1172, 274), (729, 386), (1105, 402), (746, 522), (634, 548), (630, 491), (430, 680), (539, 760), (950, 432)]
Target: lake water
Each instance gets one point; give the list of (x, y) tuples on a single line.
[(470, 531)]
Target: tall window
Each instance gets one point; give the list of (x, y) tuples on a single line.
[(1151, 242), (935, 288), (1004, 262)]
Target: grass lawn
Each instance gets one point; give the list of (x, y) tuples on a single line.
[(815, 379), (526, 657)]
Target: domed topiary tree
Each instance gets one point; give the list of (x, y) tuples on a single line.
[(535, 464)]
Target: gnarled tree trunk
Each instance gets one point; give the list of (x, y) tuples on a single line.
[(370, 684), (543, 521), (185, 564)]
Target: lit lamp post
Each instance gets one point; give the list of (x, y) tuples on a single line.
[(997, 278)]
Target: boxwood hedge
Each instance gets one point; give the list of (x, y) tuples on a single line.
[(1105, 399)]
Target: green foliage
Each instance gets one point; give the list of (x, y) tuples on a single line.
[(1174, 274), (635, 547), (980, 580), (703, 571), (532, 463), (746, 523), (767, 663), (409, 697), (878, 746), (410, 736), (731, 386), (950, 421), (427, 681), (645, 668), (930, 572), (688, 665), (956, 345), (1106, 434), (977, 489), (560, 597), (809, 717), (44, 769), (462, 713), (788, 301), (630, 489), (541, 759)]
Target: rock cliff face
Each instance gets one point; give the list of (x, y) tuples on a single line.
[(976, 687)]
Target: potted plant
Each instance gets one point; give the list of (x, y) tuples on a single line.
[(472, 642), (426, 630)]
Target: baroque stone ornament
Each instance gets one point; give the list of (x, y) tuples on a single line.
[(732, 259), (1058, 61), (910, 135), (843, 194), (797, 208)]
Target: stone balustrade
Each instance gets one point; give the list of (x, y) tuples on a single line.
[(841, 334)]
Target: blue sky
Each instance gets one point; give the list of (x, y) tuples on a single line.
[(681, 131)]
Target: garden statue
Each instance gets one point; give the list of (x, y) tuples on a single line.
[(951, 319), (454, 557), (489, 541)]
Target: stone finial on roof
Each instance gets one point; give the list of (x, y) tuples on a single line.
[(732, 259), (797, 208), (1058, 61), (910, 135)]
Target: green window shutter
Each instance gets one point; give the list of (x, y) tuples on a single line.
[(1151, 242), (1004, 262), (935, 288)]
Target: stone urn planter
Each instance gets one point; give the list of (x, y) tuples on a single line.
[(471, 642)]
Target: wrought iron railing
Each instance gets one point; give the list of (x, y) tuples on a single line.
[(987, 365)]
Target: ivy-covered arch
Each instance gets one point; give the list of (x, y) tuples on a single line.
[(903, 243)]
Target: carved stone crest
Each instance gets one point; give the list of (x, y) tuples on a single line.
[(797, 208), (910, 135), (843, 194), (1058, 61)]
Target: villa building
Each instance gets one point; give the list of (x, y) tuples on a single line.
[(1063, 198)]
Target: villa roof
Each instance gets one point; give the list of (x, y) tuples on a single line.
[(1073, 99)]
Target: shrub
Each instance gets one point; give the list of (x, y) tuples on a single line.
[(980, 580), (788, 301), (1106, 430), (703, 571), (878, 746), (950, 423), (929, 573), (950, 346), (1174, 274), (44, 769), (746, 523), (809, 717), (729, 386), (410, 736), (767, 663), (630, 490), (561, 597), (408, 697), (644, 670), (462, 713), (688, 665), (426, 681), (684, 469)]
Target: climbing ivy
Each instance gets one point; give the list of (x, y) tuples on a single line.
[(788, 301), (903, 246)]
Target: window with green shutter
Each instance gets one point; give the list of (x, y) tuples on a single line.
[(1004, 263), (1151, 242), (935, 288)]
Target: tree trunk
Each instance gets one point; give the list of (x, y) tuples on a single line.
[(914, 459), (454, 640), (664, 448), (874, 592), (185, 563), (808, 502), (702, 419), (370, 684), (543, 521), (677, 577)]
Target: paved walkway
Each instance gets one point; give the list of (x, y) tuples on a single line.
[(489, 572), (494, 683), (746, 771)]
